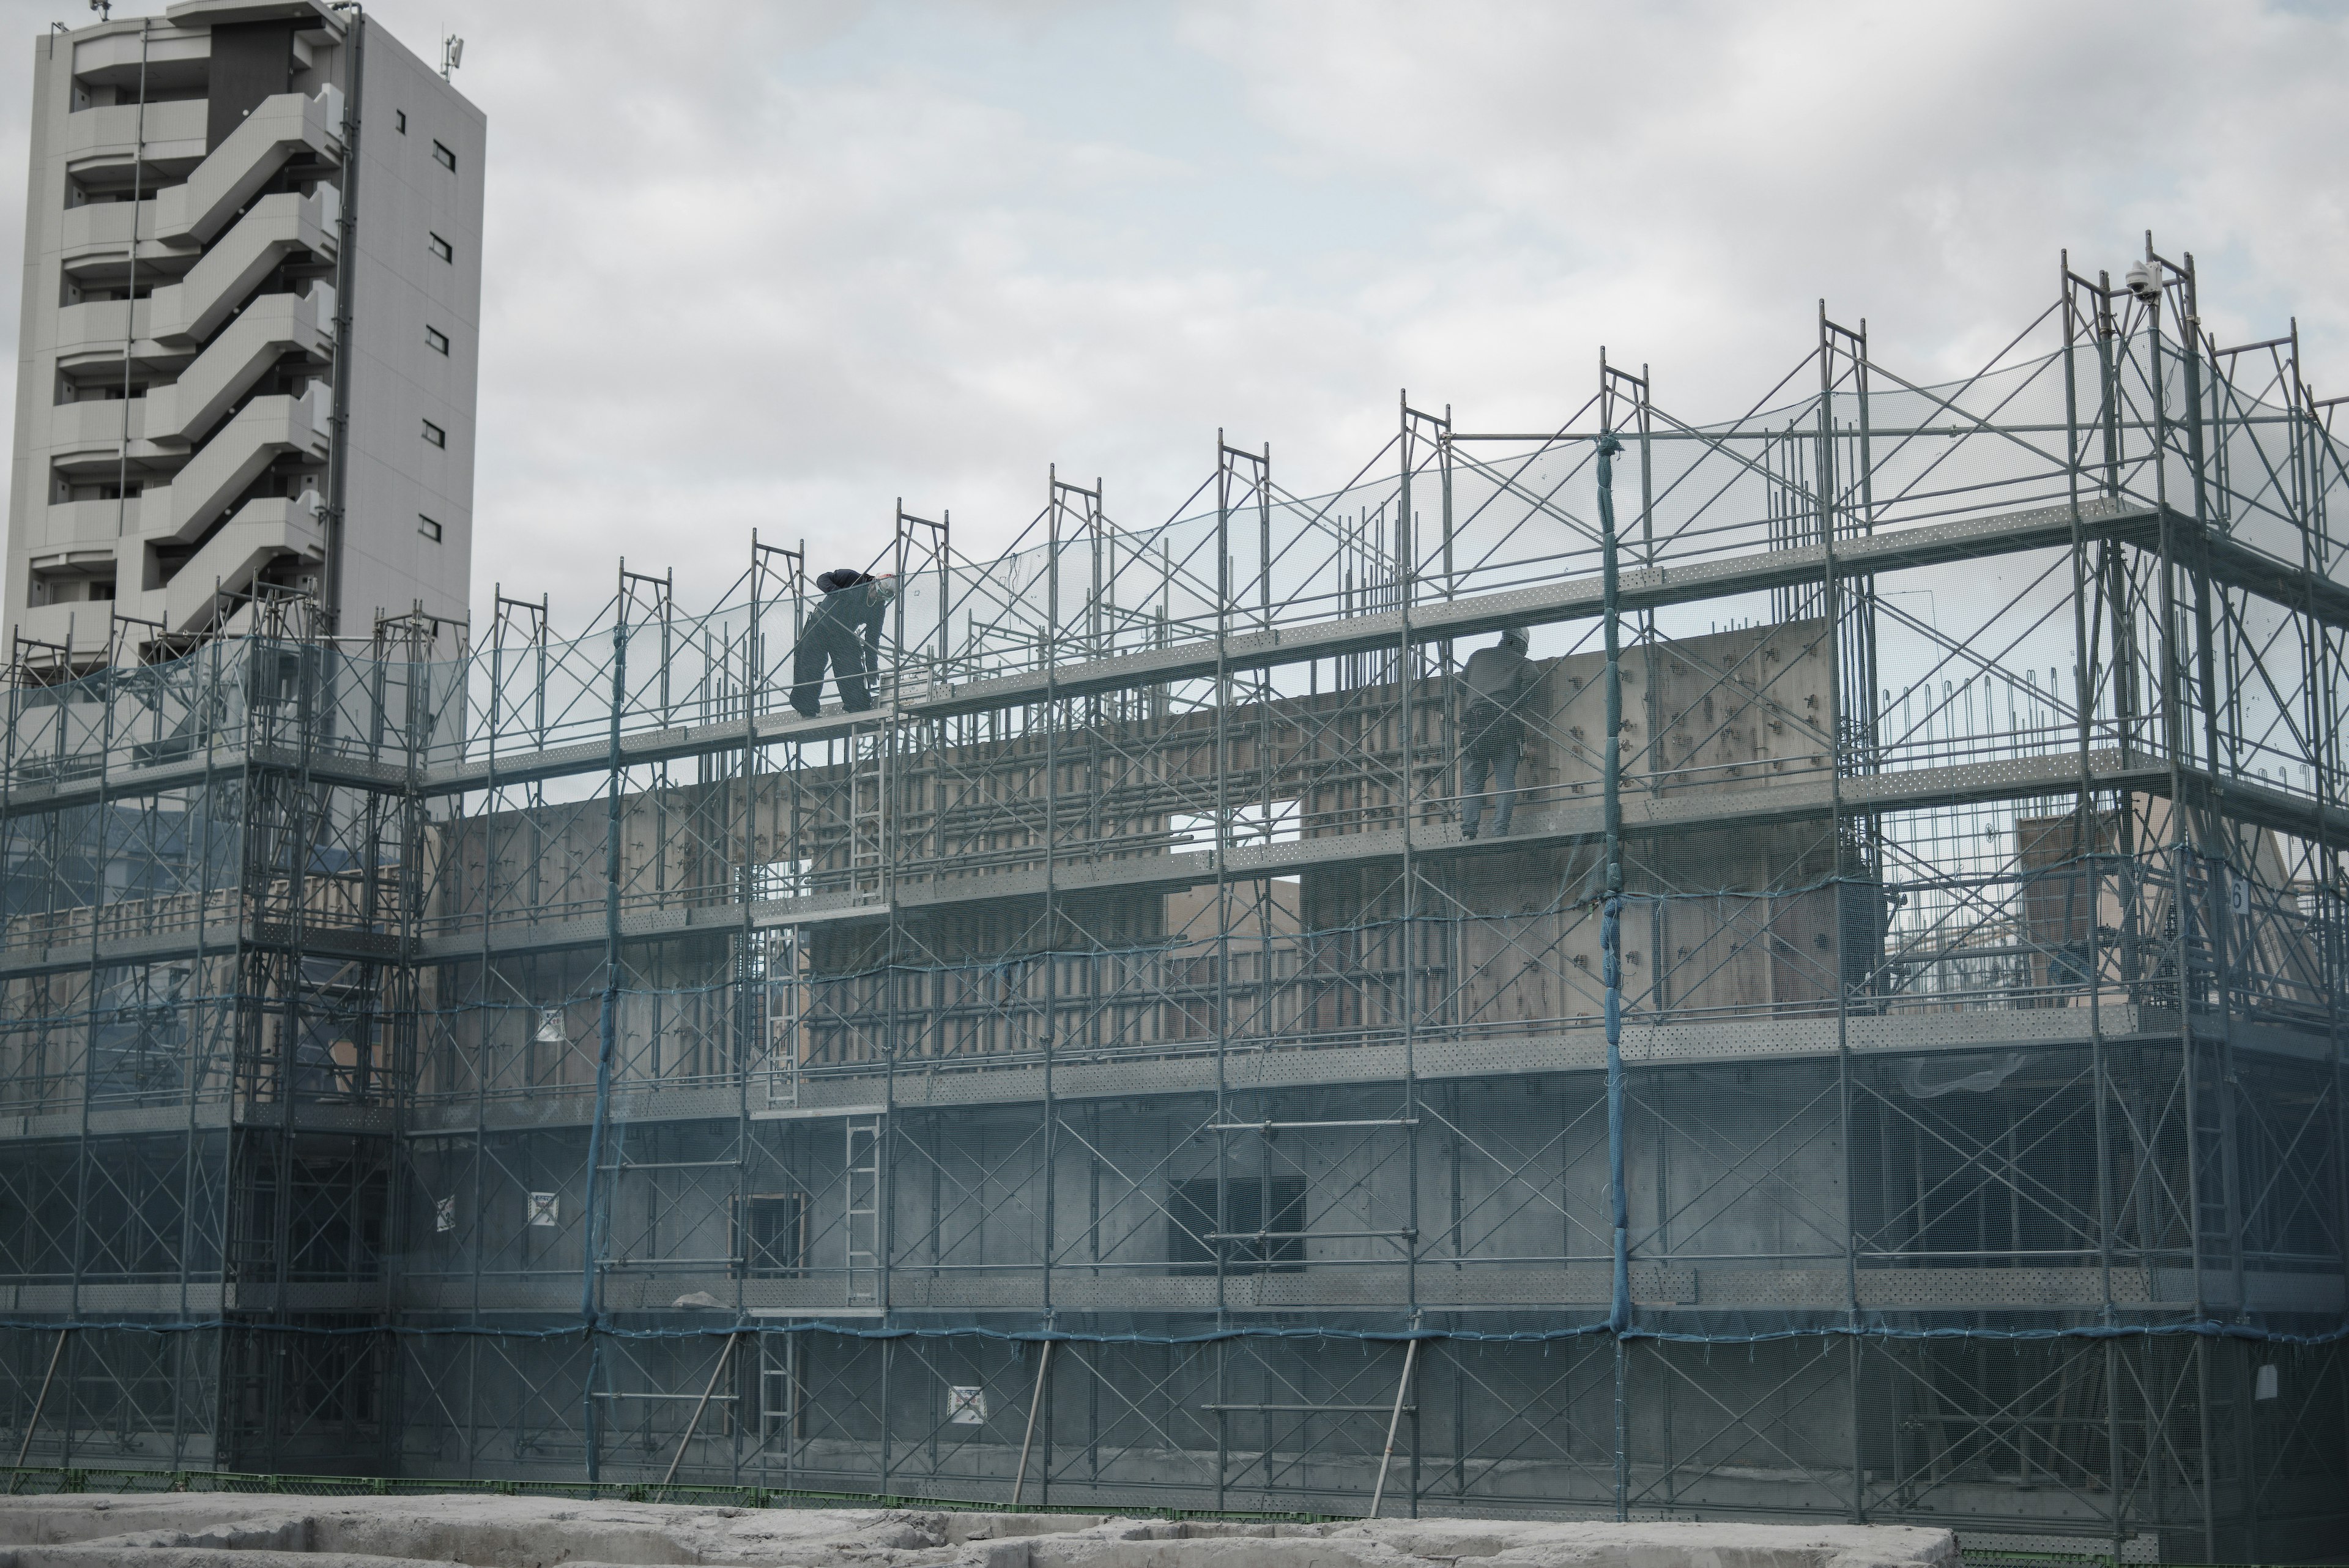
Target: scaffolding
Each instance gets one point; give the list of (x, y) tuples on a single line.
[(1892, 1070)]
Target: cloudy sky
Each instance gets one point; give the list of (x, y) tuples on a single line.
[(776, 265)]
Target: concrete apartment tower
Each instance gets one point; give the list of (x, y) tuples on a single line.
[(248, 349)]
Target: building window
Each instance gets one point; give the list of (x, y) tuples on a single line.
[(399, 120), (443, 249), (429, 529), (1198, 1234), (444, 157), (435, 434), (773, 1239), (436, 341)]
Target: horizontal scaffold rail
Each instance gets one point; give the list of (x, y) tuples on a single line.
[(1468, 616), (1551, 826), (947, 1084), (1572, 598), (1358, 1286)]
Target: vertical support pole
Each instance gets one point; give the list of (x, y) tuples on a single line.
[(191, 1081), (2087, 848), (607, 1025), (2181, 852), (1841, 753), (1051, 944), (2323, 759), (2220, 758), (888, 1363), (84, 1153), (1406, 744), (1610, 941), (1264, 542), (1223, 947), (1651, 684)]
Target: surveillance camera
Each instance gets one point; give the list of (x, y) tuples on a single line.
[(2143, 281)]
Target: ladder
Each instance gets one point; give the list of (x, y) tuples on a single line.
[(779, 1387), (869, 750), (2218, 1235), (863, 1178), (782, 993)]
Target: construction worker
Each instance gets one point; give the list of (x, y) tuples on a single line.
[(1493, 728), (843, 632)]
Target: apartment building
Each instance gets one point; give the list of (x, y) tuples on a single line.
[(248, 346)]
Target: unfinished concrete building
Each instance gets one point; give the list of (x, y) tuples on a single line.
[(1101, 1073)]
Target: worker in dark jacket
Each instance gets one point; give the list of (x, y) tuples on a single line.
[(843, 632), (1493, 689)]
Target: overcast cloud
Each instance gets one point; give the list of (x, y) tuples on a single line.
[(776, 266)]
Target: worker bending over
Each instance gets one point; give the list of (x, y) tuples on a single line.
[(1493, 728), (843, 632)]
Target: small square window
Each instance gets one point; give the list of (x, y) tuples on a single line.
[(444, 157), (429, 529), (399, 120), (436, 341), (435, 434), (443, 249)]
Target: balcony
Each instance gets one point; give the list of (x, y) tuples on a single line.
[(99, 235), (123, 51), (100, 325), (175, 133), (70, 523), (93, 430), (104, 226), (81, 626)]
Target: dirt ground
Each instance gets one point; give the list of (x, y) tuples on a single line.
[(218, 1531)]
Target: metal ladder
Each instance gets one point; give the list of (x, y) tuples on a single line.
[(779, 1387), (782, 1001), (869, 750), (862, 1178)]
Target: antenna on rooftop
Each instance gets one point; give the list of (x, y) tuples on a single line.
[(105, 9), (453, 53)]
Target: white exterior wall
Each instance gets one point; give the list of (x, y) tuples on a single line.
[(399, 287)]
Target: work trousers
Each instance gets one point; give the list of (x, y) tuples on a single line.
[(826, 642), (1495, 740), (1501, 767)]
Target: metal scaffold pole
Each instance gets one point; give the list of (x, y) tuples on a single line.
[(1610, 939)]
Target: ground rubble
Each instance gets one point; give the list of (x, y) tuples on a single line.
[(237, 1531)]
